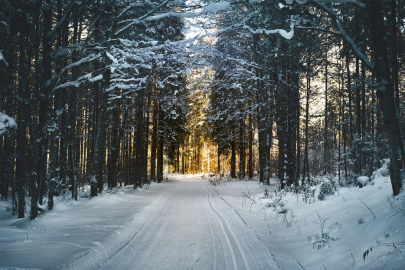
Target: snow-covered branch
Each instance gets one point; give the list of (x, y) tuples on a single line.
[(136, 21), (52, 34), (346, 2), (6, 123), (282, 32), (344, 34), (2, 59), (80, 80), (301, 2), (89, 58)]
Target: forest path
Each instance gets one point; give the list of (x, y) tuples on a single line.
[(187, 227), (179, 224)]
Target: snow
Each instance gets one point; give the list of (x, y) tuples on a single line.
[(342, 31), (6, 123), (363, 180), (290, 227), (112, 58), (2, 59), (362, 5), (97, 78), (189, 223), (214, 7), (282, 32), (72, 229)]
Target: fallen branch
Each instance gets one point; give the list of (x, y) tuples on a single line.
[(352, 256), (300, 265), (368, 208)]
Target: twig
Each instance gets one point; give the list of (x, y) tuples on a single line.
[(300, 264), (322, 221), (367, 207), (352, 256), (319, 241), (325, 267)]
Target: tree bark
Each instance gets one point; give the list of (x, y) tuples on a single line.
[(241, 150), (23, 106), (154, 140), (160, 144), (386, 93), (233, 159), (114, 146), (250, 162), (139, 139)]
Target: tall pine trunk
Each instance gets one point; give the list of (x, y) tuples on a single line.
[(250, 162), (242, 149), (386, 93), (22, 120), (160, 143), (139, 140)]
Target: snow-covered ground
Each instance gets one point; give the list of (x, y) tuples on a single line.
[(291, 228), (187, 223), (72, 229), (179, 224)]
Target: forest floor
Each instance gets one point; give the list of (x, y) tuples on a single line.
[(187, 223)]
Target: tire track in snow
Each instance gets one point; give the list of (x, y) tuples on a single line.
[(213, 245), (259, 251), (238, 256), (100, 257), (159, 228), (150, 232)]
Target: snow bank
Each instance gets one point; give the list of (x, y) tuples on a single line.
[(74, 228), (6, 123), (363, 180), (291, 229)]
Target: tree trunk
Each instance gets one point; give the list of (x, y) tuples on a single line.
[(358, 164), (363, 119), (146, 147), (282, 135), (308, 95), (386, 93), (218, 161), (250, 162), (23, 107), (114, 146), (139, 139), (99, 151), (154, 140), (160, 144), (241, 150), (44, 106), (72, 110), (233, 159), (394, 54), (35, 105), (325, 136)]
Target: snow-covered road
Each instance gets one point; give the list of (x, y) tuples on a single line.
[(187, 227), (179, 224)]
